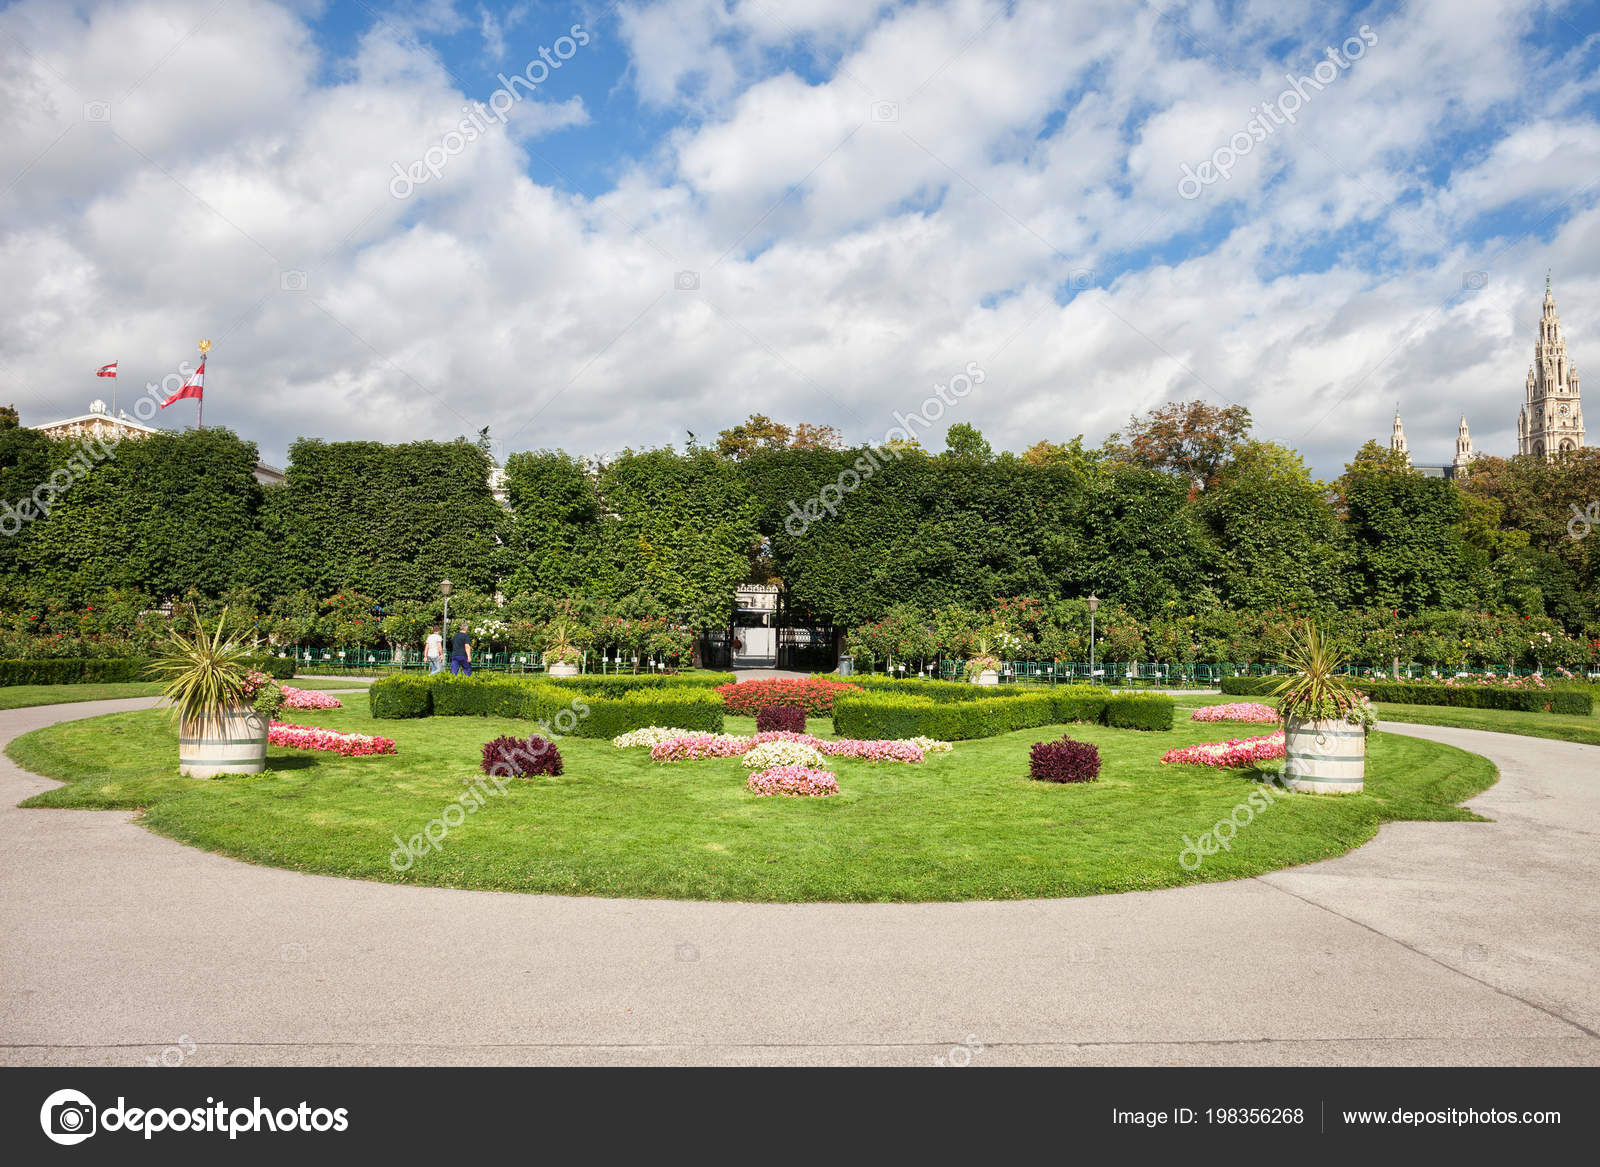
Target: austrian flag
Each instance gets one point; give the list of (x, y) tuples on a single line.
[(193, 387), (107, 370)]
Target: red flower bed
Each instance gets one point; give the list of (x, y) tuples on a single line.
[(781, 717), (812, 694)]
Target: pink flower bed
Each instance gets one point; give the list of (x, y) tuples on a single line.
[(1238, 711), (796, 781), (309, 699), (1236, 753), (693, 746), (309, 737)]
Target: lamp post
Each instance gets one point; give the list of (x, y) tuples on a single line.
[(444, 590), (1094, 606)]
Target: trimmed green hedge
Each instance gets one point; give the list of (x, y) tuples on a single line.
[(104, 670), (1558, 700), (618, 685), (563, 707), (73, 670), (941, 691), (902, 715)]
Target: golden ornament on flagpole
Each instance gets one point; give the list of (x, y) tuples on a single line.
[(205, 346)]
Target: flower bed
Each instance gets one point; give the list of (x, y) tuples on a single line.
[(1233, 754), (678, 746), (813, 694), (308, 737), (782, 753), (1236, 711), (795, 781), (1489, 680), (309, 699), (650, 735)]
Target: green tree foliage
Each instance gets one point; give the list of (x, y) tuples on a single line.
[(1408, 550), (388, 521), (968, 443)]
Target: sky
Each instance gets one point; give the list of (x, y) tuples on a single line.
[(605, 226)]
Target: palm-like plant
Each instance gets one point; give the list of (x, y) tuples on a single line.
[(559, 648), (1314, 690), (205, 676)]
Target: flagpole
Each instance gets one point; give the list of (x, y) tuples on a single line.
[(200, 402), (114, 396)]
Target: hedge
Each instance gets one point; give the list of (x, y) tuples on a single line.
[(568, 712), (615, 685), (942, 691), (1561, 700), (73, 670), (902, 715)]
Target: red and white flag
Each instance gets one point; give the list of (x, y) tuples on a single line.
[(193, 387), (107, 370)]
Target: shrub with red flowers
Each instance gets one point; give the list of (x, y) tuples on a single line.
[(795, 781), (1064, 761), (812, 694), (511, 757), (781, 717), (310, 737)]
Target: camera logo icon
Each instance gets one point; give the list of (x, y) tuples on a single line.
[(885, 111), (292, 281), (1474, 281), (686, 281), (686, 953), (97, 111), (68, 1117)]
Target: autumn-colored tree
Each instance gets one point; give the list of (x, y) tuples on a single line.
[(756, 432), (1188, 438), (816, 437)]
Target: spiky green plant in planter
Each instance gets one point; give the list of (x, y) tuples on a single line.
[(221, 707), (1325, 720)]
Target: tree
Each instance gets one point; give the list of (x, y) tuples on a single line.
[(816, 437), (757, 432), (1191, 439), (965, 442), (8, 417)]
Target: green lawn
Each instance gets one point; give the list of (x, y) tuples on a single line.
[(1565, 727), (21, 696), (965, 825)]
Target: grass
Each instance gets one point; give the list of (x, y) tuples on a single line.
[(1567, 727), (961, 826), (23, 696)]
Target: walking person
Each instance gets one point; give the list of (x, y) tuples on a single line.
[(461, 652), (433, 651)]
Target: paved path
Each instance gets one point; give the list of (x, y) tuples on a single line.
[(1436, 943)]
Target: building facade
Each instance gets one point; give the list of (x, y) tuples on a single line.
[(1551, 421), (99, 425)]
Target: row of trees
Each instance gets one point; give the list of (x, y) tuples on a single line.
[(1183, 516)]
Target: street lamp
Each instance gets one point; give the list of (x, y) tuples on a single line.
[(444, 590), (1094, 606)]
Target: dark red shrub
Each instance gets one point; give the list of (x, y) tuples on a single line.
[(1064, 761), (812, 694), (789, 717), (511, 757)]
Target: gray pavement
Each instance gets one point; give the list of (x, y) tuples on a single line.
[(1436, 943)]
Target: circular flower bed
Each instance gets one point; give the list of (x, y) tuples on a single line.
[(795, 781), (309, 699), (307, 737), (1236, 711)]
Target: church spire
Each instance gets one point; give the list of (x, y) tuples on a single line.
[(1464, 454), (1551, 422), (1397, 436)]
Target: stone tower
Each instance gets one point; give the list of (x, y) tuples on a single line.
[(1397, 436), (1464, 454), (1551, 421)]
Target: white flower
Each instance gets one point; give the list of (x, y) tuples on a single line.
[(650, 735), (781, 753)]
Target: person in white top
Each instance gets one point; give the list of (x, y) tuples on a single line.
[(433, 651)]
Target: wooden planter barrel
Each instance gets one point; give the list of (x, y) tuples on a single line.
[(563, 670), (986, 677), (236, 745), (1325, 757)]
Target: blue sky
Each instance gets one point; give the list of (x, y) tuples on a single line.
[(866, 199)]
